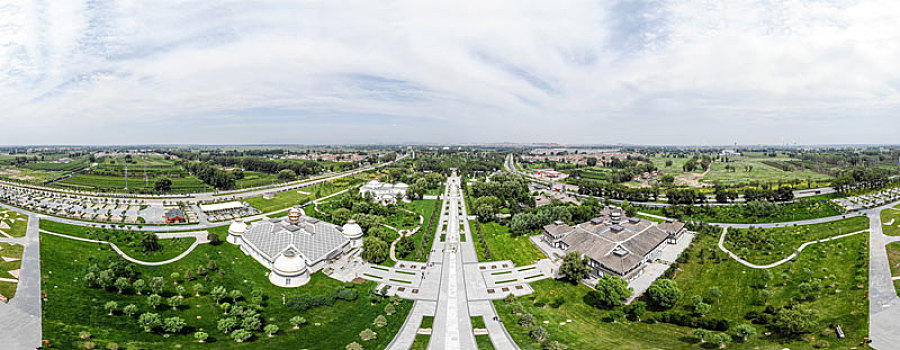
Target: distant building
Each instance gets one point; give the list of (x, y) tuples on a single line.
[(384, 193), (546, 173), (296, 248), (730, 152), (615, 245), (174, 216)]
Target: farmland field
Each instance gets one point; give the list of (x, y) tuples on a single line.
[(759, 171)]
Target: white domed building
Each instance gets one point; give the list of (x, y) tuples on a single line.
[(295, 248), (354, 233), (289, 269), (384, 193), (236, 231)]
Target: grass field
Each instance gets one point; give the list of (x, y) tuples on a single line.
[(9, 250), (890, 221), (505, 246), (293, 197), (256, 179), (423, 207), (763, 246), (128, 241), (18, 223), (840, 264), (800, 210), (91, 182), (839, 267), (893, 252), (72, 308), (759, 171)]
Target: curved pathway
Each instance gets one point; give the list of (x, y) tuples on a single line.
[(782, 261), (408, 233), (200, 239)]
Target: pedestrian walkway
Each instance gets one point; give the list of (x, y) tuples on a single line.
[(21, 317)]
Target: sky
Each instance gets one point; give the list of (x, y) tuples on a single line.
[(698, 72)]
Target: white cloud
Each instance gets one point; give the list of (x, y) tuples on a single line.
[(358, 71)]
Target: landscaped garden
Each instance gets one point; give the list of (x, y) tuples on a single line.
[(12, 223), (286, 199), (768, 245), (139, 245), (236, 302), (506, 246), (796, 305)]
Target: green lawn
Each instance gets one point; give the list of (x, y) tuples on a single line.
[(420, 342), (893, 252), (737, 214), (9, 250), (293, 197), (128, 241), (169, 248), (505, 246), (759, 171), (17, 222), (839, 267), (891, 216), (763, 246), (72, 308), (256, 179), (423, 207)]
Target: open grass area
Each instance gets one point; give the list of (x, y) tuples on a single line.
[(505, 246), (768, 245), (483, 342), (13, 223), (298, 197), (11, 251), (893, 252), (423, 207), (839, 267), (128, 241), (72, 307), (29, 176), (738, 214), (420, 342), (890, 222), (837, 271), (256, 179), (759, 166)]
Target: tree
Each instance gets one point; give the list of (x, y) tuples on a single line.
[(380, 321), (197, 289), (701, 308), (154, 300), (156, 284), (591, 161), (367, 334), (138, 286), (720, 339), (251, 323), (636, 310), (175, 302), (129, 310), (111, 306), (180, 291), (353, 346), (163, 185), (611, 291), (573, 267), (149, 321), (664, 293), (226, 324), (744, 331), (241, 335), (271, 329), (201, 336), (797, 320), (235, 294), (701, 334), (175, 276), (389, 309), (374, 250), (297, 321), (121, 284), (340, 216), (539, 333), (287, 175), (213, 239), (173, 324), (218, 293), (150, 242), (389, 157), (527, 320)]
